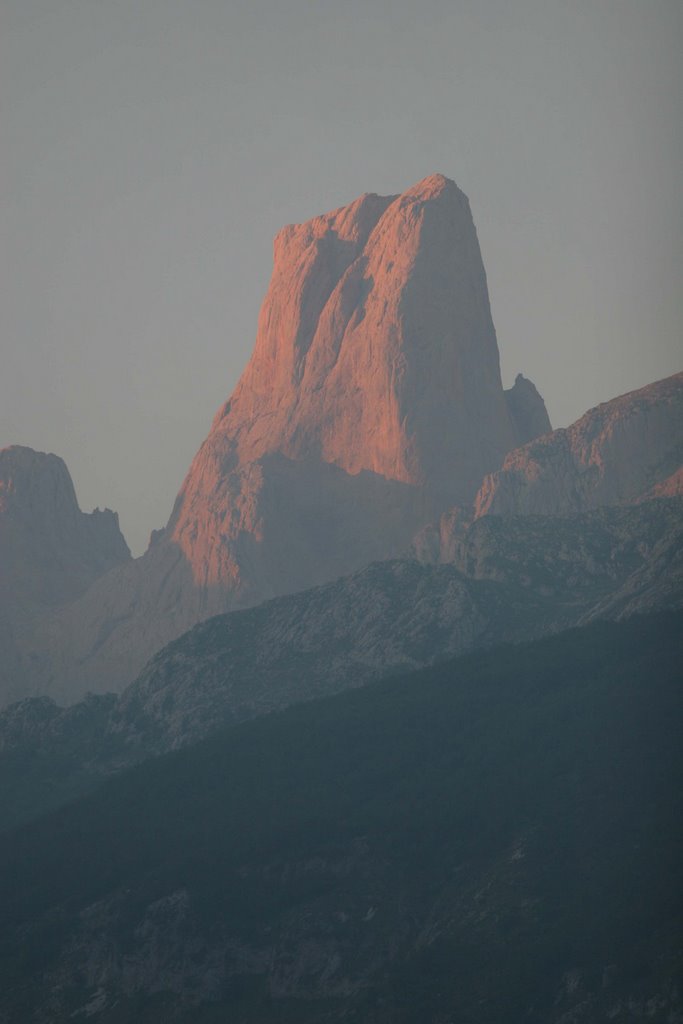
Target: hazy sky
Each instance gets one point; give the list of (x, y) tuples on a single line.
[(152, 148)]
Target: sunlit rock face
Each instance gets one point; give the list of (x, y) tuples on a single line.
[(618, 452), (375, 353), (376, 349), (372, 403)]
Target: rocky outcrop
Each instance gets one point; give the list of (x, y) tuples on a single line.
[(594, 559), (507, 578), (614, 454), (375, 348), (390, 617), (50, 551), (372, 402), (50, 554), (527, 410), (375, 354), (497, 579)]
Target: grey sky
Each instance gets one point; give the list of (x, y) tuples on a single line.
[(152, 148)]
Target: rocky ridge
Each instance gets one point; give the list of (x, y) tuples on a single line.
[(372, 406), (50, 551), (498, 579), (508, 579), (372, 402), (625, 451), (616, 453)]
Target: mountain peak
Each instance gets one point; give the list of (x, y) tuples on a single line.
[(527, 410), (434, 186), (33, 481), (375, 347), (372, 403), (50, 551)]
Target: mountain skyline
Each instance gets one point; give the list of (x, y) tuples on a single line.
[(377, 719), (372, 409), (79, 614), (373, 402), (150, 161)]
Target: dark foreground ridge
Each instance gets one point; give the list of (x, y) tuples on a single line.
[(494, 839)]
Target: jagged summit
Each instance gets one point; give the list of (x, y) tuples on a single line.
[(362, 213), (433, 186), (527, 410)]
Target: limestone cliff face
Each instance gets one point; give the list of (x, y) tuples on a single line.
[(372, 402), (375, 347), (375, 354), (615, 453)]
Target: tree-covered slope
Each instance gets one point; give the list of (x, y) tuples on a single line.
[(494, 839)]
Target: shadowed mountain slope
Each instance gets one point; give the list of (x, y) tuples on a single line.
[(504, 578), (496, 838), (624, 451), (50, 552), (616, 453)]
